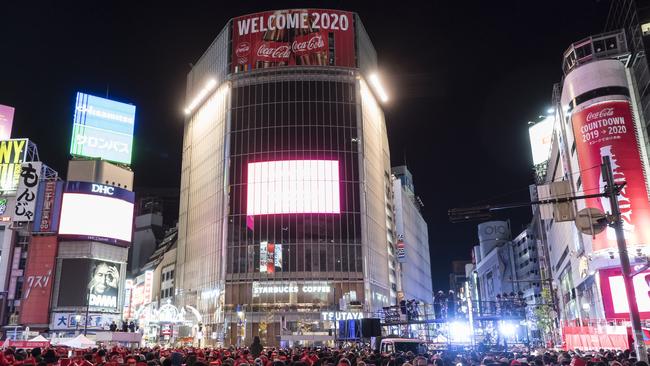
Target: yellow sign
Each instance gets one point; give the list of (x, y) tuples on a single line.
[(12, 154)]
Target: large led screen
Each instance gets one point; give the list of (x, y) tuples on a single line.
[(613, 290), (95, 211), (103, 128), (293, 186)]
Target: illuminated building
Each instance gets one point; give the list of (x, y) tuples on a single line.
[(286, 183), (412, 242)]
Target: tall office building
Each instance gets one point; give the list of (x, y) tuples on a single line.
[(284, 220), (412, 239)]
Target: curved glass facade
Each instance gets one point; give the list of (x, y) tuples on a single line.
[(294, 120), (285, 195)]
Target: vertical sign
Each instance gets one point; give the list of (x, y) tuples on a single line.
[(48, 206), (148, 287), (263, 256), (401, 249), (30, 173), (6, 121), (607, 129), (128, 287), (37, 286)]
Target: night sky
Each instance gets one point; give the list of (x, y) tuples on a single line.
[(464, 79)]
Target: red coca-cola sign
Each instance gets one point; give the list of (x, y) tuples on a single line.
[(315, 37), (607, 129), (272, 51), (308, 43)]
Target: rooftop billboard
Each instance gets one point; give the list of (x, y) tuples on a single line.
[(294, 37), (103, 128)]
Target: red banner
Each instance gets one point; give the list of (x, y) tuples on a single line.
[(26, 344), (39, 276), (310, 37), (607, 129), (615, 299)]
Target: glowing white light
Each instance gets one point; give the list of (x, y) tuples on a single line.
[(379, 89), (94, 215), (460, 332), (209, 86), (507, 329), (293, 186), (550, 111)]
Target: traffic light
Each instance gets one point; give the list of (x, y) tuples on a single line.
[(465, 214)]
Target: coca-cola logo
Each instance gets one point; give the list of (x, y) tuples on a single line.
[(605, 112), (243, 49), (314, 43), (278, 52)]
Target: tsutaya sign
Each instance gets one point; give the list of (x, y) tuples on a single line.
[(275, 287), (340, 315)]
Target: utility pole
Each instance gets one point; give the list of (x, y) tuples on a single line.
[(612, 191)]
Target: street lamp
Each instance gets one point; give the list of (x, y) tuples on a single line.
[(77, 319)]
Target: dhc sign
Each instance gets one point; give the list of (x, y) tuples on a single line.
[(100, 188)]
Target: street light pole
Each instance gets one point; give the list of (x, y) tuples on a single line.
[(616, 222)]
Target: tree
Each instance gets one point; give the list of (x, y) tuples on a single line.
[(545, 315)]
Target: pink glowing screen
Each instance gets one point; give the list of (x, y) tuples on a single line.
[(293, 186)]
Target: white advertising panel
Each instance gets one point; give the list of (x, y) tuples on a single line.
[(96, 212), (30, 174), (541, 135)]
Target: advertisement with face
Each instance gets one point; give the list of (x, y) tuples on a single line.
[(607, 129), (104, 284), (294, 37), (101, 287)]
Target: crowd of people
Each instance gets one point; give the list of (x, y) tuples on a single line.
[(258, 355)]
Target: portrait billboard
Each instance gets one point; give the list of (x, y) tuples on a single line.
[(102, 128), (293, 37), (96, 283), (607, 129)]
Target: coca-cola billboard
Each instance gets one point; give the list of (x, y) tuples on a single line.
[(308, 37), (607, 129)]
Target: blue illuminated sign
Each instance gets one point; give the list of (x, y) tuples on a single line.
[(103, 128)]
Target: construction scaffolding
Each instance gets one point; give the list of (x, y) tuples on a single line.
[(476, 324)]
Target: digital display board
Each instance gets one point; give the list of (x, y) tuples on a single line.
[(6, 121), (293, 37), (103, 128), (270, 257), (614, 298), (541, 136), (12, 154), (293, 186), (96, 212)]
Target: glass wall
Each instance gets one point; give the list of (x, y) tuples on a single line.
[(294, 120)]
